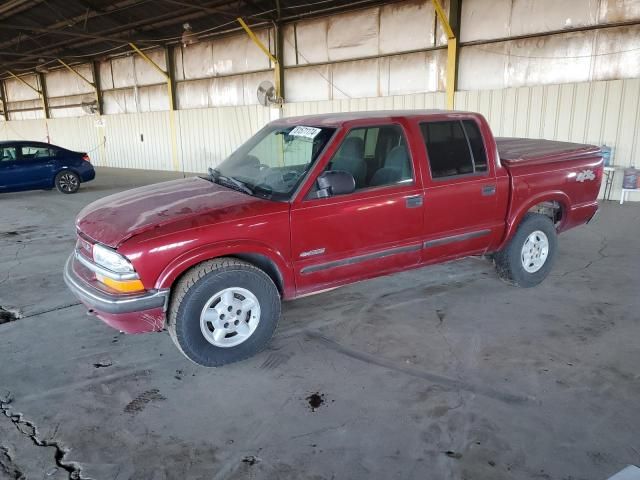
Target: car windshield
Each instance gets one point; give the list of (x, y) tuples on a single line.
[(274, 161)]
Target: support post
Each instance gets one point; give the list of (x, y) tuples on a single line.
[(279, 69), (95, 72), (3, 97), (168, 56), (85, 80), (452, 53), (44, 103), (172, 120), (101, 129), (43, 95), (276, 65), (455, 16)]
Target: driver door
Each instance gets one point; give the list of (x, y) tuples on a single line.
[(11, 174), (374, 230)]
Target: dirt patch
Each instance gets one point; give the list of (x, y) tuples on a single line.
[(315, 400), (250, 460), (8, 315), (452, 454), (103, 364), (141, 401), (15, 233)]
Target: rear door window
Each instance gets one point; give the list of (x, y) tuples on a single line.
[(33, 152), (454, 148), (477, 145)]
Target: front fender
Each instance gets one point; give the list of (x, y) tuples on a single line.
[(202, 253)]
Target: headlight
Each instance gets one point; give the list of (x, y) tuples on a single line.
[(111, 260)]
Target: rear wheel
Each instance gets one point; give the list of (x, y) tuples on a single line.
[(528, 257), (67, 181), (223, 311)]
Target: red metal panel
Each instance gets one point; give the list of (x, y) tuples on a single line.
[(351, 237)]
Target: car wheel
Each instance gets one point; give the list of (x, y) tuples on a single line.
[(223, 311), (67, 181), (528, 257)]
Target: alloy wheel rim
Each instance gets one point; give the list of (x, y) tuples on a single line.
[(535, 251), (68, 182), (230, 317)]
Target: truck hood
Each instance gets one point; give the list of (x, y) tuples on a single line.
[(115, 218)]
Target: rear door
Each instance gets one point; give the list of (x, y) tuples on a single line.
[(374, 230), (36, 165), (9, 168), (460, 197)]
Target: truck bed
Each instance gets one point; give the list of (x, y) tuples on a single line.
[(527, 151)]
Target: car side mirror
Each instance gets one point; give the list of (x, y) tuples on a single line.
[(335, 182)]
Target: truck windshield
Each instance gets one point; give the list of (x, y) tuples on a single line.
[(274, 161)]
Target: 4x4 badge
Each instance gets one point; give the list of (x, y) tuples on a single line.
[(585, 175)]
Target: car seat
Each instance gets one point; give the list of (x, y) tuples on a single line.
[(350, 158), (397, 167)]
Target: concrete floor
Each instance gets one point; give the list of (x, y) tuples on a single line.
[(439, 373)]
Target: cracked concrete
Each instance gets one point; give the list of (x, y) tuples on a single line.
[(28, 429), (442, 373)]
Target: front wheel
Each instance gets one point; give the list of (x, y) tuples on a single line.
[(67, 181), (528, 257), (223, 311)]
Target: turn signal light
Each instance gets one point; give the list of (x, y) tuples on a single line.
[(124, 286)]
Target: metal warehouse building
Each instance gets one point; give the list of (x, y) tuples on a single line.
[(319, 240), (168, 97)]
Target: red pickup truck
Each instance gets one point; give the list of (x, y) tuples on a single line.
[(312, 203)]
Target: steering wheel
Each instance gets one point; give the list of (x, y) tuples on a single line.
[(291, 174)]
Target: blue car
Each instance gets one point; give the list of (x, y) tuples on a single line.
[(26, 165)]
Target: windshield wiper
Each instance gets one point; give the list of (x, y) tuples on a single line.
[(216, 177)]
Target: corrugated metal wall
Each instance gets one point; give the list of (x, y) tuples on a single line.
[(606, 112), (578, 85), (143, 140)]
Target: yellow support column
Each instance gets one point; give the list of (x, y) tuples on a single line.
[(265, 50), (82, 77), (96, 90), (172, 120), (41, 93), (452, 53)]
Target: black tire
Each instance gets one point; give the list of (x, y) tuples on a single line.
[(196, 288), (509, 263), (67, 181)]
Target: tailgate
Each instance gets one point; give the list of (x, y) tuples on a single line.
[(527, 151)]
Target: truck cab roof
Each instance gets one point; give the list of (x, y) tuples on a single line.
[(338, 119)]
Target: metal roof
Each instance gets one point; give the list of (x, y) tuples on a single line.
[(38, 32)]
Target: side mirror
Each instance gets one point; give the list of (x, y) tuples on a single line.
[(335, 182)]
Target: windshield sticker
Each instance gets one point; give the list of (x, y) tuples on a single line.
[(306, 132)]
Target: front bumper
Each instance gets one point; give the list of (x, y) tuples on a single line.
[(131, 313)]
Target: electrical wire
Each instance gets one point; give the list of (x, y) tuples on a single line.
[(208, 30), (557, 58), (310, 4), (7, 124), (318, 71), (109, 50), (100, 144), (202, 32)]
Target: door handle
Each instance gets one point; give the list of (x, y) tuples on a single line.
[(488, 190), (414, 201)]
